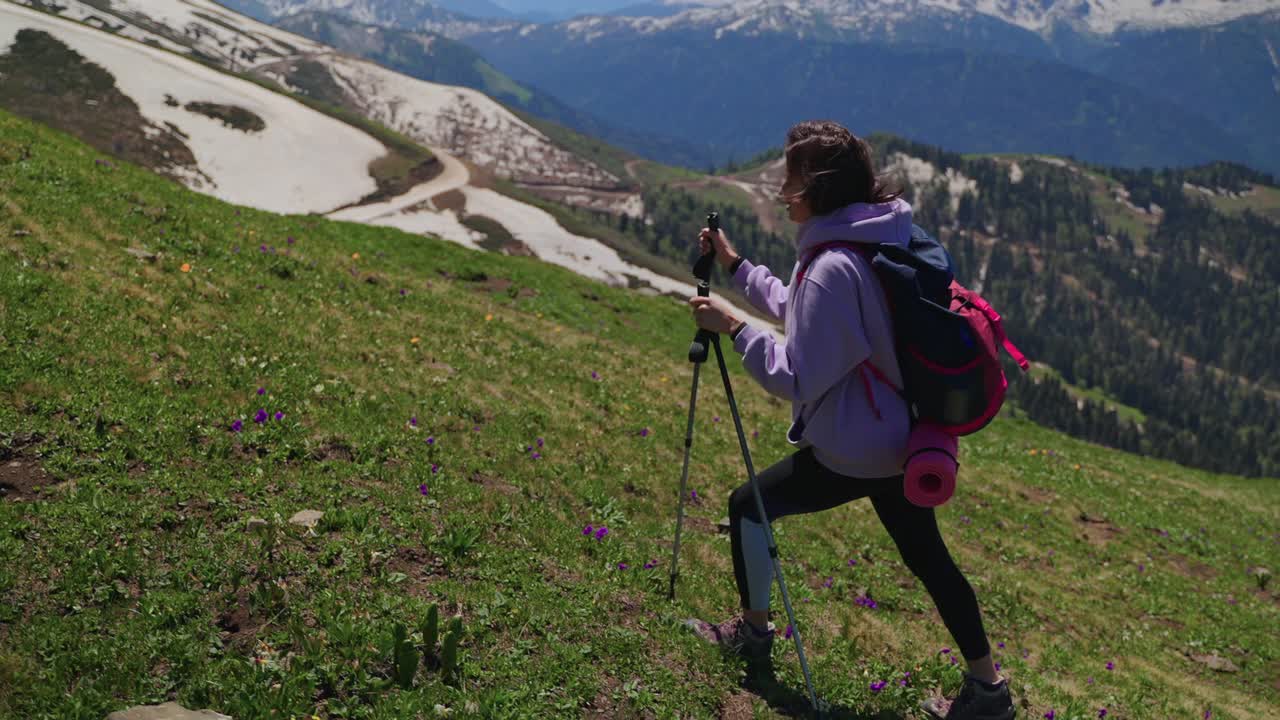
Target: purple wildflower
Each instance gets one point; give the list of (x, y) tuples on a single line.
[(852, 562), (1207, 715), (622, 566), (716, 418), (1025, 653), (237, 426), (588, 530), (997, 667), (1102, 712), (431, 440), (790, 631), (539, 442), (1049, 715), (945, 651), (693, 496), (877, 686), (262, 391), (953, 660), (827, 583), (402, 292), (1111, 665), (965, 519), (413, 421), (279, 415), (422, 488), (261, 416), (650, 564), (601, 533), (536, 456), (291, 240), (434, 468), (1000, 644), (1142, 567), (903, 683), (262, 248), (644, 432), (476, 429), (595, 375), (1090, 679), (755, 434)]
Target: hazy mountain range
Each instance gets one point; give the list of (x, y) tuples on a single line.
[(1130, 83)]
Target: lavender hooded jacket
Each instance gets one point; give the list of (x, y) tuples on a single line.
[(833, 320)]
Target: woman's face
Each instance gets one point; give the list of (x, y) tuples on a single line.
[(797, 207)]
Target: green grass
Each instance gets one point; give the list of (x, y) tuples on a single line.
[(652, 174), (131, 576), (1126, 413), (1264, 201)]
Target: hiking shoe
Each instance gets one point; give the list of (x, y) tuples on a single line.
[(736, 635), (975, 702)]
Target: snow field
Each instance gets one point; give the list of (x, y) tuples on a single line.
[(302, 161)]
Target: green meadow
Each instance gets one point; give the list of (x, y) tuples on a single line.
[(180, 377)]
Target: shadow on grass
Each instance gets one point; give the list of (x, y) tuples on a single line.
[(794, 702)]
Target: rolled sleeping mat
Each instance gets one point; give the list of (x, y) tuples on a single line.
[(932, 464)]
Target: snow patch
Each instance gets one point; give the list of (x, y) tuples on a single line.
[(302, 161), (1015, 172), (924, 175)]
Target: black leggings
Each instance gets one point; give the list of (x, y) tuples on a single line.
[(800, 484)]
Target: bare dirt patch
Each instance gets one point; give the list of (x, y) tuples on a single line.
[(333, 450), (1193, 568), (452, 200), (602, 707), (21, 476), (737, 706), (1037, 496), (493, 483), (1096, 530), (233, 116), (238, 624)]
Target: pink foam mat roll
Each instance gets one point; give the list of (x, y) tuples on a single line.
[(932, 463)]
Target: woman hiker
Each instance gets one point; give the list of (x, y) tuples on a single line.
[(849, 428)]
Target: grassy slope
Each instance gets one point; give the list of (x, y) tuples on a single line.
[(133, 579)]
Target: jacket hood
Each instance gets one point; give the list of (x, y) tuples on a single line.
[(860, 222)]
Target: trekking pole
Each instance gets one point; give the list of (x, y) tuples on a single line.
[(768, 530), (697, 356)]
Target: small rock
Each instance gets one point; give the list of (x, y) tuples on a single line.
[(256, 523), (167, 711), (142, 254), (1214, 662), (306, 518)]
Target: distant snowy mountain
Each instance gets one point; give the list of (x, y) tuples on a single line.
[(1095, 16)]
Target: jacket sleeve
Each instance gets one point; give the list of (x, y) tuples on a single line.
[(826, 343), (764, 291)]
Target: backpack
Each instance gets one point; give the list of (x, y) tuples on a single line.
[(947, 337)]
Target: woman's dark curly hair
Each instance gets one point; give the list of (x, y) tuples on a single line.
[(835, 167)]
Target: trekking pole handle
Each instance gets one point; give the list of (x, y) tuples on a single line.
[(702, 268)]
